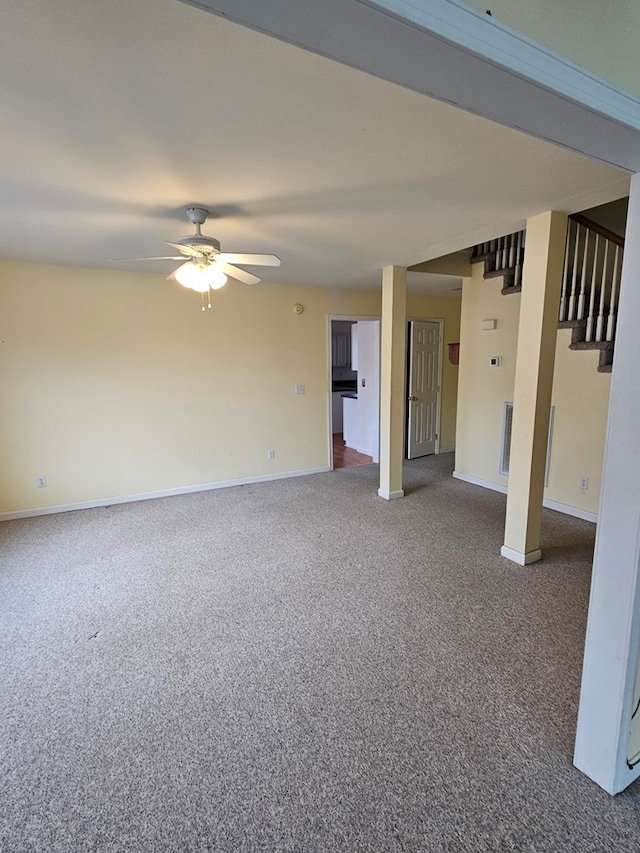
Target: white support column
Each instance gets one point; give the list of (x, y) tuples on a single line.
[(393, 343), (535, 357), (609, 677)]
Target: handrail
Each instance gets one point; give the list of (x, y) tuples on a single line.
[(598, 229)]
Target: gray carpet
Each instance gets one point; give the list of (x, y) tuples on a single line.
[(297, 666)]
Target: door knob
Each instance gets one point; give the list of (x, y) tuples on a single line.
[(413, 399)]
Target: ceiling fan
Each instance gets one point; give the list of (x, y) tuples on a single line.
[(204, 266)]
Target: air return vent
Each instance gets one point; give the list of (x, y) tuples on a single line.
[(505, 449)]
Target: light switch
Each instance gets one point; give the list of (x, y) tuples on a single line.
[(299, 389)]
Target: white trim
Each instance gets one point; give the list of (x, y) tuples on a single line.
[(447, 450), (163, 493), (365, 451), (485, 484), (519, 557), (571, 510), (612, 642), (475, 31), (391, 496), (566, 509)]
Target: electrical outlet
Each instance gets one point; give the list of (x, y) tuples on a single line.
[(41, 481), (584, 483), (299, 389), (271, 454)]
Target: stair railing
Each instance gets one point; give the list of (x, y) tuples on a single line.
[(591, 278), (503, 254)]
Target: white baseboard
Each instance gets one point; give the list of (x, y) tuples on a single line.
[(575, 511), (366, 451), (520, 558), (476, 481), (446, 450), (163, 493), (390, 496)]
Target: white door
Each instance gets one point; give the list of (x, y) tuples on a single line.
[(423, 404)]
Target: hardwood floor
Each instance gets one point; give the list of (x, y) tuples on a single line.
[(345, 457)]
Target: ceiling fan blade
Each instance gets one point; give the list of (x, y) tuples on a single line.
[(241, 275), (185, 250), (258, 260), (157, 258)]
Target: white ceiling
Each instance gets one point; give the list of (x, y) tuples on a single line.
[(116, 116)]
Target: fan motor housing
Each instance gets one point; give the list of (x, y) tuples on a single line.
[(202, 244)]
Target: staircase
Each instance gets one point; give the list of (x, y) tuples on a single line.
[(503, 256), (590, 282)]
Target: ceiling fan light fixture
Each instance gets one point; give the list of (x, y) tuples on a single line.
[(189, 275), (215, 277), (200, 277)]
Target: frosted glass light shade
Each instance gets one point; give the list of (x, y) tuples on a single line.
[(215, 277), (188, 275), (200, 277)]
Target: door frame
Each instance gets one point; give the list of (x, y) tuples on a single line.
[(354, 318), (440, 323)]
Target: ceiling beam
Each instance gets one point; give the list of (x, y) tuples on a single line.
[(455, 54)]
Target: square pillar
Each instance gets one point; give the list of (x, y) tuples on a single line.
[(393, 356), (608, 734), (535, 357)]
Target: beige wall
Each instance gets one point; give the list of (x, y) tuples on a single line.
[(580, 397), (114, 384), (482, 390), (601, 37)]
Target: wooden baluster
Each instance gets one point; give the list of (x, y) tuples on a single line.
[(504, 253), (512, 251), (603, 287), (592, 293), (583, 277), (518, 276), (613, 307), (565, 274), (574, 277)]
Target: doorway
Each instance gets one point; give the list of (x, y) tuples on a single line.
[(354, 391), (424, 381)]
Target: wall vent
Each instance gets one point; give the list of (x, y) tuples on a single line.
[(505, 449)]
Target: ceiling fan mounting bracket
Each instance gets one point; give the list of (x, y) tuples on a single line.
[(197, 215)]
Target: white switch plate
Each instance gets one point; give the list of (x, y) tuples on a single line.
[(41, 481), (271, 454), (299, 389)]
